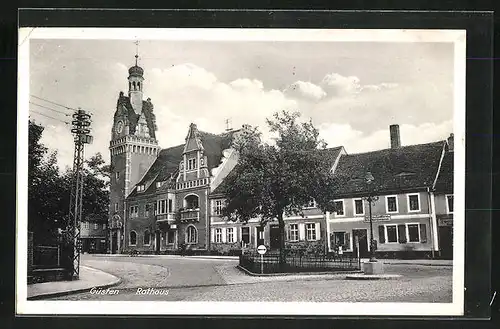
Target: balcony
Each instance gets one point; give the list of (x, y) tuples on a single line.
[(186, 215), (169, 218)]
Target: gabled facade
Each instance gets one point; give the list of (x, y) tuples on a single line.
[(404, 217)]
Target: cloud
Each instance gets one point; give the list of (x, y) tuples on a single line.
[(339, 85), (187, 93), (305, 89)]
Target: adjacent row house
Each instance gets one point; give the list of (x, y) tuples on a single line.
[(163, 200)]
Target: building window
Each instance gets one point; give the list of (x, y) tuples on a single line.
[(391, 203), (103, 226), (170, 207), (140, 188), (191, 165), (147, 209), (339, 238), (161, 207), (158, 184), (147, 238), (359, 208), (171, 237), (116, 206), (339, 208), (117, 175), (191, 202), (96, 226), (217, 207), (218, 235), (134, 211), (449, 204), (191, 235), (413, 233), (230, 234), (245, 234), (294, 232), (392, 234), (413, 202), (311, 231), (133, 238)]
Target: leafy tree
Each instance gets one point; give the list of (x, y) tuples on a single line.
[(49, 190), (46, 204), (271, 181)]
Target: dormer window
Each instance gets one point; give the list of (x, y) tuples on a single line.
[(191, 165), (158, 184), (140, 188), (310, 204)]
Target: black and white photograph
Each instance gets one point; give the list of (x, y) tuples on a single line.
[(241, 171)]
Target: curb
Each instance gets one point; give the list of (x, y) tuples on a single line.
[(298, 274), (419, 264), (75, 291), (365, 277)]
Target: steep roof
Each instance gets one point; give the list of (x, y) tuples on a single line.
[(147, 108), (166, 165), (214, 145), (393, 170), (332, 154), (444, 183)]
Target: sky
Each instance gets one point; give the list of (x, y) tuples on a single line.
[(352, 91)]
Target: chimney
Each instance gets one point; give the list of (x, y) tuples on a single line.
[(395, 138), (450, 143)]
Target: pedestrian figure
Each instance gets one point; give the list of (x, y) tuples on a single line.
[(341, 252)]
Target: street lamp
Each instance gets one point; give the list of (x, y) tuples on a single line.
[(371, 198)]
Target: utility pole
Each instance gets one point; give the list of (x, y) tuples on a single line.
[(80, 130)]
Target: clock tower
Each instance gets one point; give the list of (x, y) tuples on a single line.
[(133, 149)]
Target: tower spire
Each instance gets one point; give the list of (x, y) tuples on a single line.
[(136, 51)]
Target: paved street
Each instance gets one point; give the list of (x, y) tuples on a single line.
[(195, 279)]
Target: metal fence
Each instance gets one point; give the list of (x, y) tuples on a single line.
[(298, 263), (46, 256)]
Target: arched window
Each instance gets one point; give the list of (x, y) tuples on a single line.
[(147, 238), (135, 88), (191, 202), (133, 238), (191, 234), (139, 85)]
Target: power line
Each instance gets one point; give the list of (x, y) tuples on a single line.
[(48, 116), (49, 108), (72, 109), (51, 102)]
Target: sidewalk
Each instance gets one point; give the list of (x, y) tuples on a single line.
[(423, 262), (89, 278)]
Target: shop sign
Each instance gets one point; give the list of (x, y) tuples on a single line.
[(445, 221), (378, 218)]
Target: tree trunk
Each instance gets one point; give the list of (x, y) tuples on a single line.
[(281, 225)]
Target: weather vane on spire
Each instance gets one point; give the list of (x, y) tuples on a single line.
[(136, 51)]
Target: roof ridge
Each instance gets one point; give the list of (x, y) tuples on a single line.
[(399, 148)]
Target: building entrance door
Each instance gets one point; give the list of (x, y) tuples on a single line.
[(157, 242), (274, 232), (114, 242), (446, 242), (362, 238)]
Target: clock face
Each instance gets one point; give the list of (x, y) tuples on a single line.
[(119, 127)]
